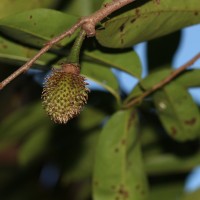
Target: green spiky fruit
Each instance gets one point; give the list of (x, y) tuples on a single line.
[(64, 93)]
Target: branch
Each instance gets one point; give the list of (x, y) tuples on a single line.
[(162, 83), (86, 23)]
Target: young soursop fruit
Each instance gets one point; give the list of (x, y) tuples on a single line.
[(64, 93)]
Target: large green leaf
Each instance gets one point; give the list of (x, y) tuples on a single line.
[(16, 54), (118, 172), (8, 7), (147, 21), (126, 61), (103, 76), (177, 111), (36, 27)]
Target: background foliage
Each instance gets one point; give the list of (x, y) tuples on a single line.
[(144, 152)]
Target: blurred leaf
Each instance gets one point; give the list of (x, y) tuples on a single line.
[(147, 21), (91, 117), (103, 76), (126, 61), (166, 46), (83, 167), (192, 195), (8, 7), (178, 112), (14, 128), (172, 191), (169, 163), (83, 7), (36, 27), (35, 145), (118, 172), (16, 54)]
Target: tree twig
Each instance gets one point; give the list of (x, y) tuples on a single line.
[(86, 23), (162, 83)]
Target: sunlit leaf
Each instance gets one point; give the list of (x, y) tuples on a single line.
[(36, 27), (119, 172), (147, 21)]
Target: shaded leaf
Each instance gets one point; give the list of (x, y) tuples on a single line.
[(36, 27), (35, 145), (147, 21), (14, 128), (103, 76), (166, 191), (118, 172), (178, 112), (126, 61), (169, 163)]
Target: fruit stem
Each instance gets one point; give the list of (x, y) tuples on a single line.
[(73, 57)]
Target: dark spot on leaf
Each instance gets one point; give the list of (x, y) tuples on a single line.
[(34, 24), (137, 12), (123, 141), (96, 183), (4, 46), (173, 130), (143, 192), (122, 41), (30, 17), (123, 192), (116, 150), (196, 13), (190, 121), (137, 187), (116, 198), (133, 20), (121, 28)]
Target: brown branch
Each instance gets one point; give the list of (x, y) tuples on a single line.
[(162, 83), (86, 23)]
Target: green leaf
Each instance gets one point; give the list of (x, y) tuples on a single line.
[(83, 7), (8, 7), (21, 122), (126, 61), (103, 76), (147, 21), (178, 112), (118, 172), (192, 195), (170, 190), (36, 27), (16, 54), (189, 78), (169, 163), (35, 145)]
